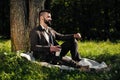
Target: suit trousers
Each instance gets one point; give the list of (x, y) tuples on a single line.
[(72, 46)]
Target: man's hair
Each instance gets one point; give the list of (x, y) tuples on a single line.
[(42, 12)]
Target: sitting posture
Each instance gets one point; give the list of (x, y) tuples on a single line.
[(44, 45)]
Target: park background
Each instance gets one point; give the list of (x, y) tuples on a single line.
[(98, 21)]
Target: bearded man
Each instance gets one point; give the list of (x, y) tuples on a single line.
[(45, 47)]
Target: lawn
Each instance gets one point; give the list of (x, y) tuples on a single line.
[(13, 67)]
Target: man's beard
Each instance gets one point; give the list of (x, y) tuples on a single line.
[(47, 22)]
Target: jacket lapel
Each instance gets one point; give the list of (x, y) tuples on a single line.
[(43, 34)]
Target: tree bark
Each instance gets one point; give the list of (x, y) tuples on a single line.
[(23, 17)]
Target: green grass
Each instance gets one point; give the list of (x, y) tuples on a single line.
[(92, 48), (14, 67), (5, 45)]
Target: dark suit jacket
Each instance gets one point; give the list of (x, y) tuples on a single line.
[(39, 44)]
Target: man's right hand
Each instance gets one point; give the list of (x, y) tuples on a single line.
[(77, 35), (54, 48)]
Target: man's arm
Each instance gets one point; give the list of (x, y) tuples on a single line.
[(59, 36)]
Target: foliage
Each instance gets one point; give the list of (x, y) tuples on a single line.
[(5, 45), (14, 67), (5, 18), (94, 19)]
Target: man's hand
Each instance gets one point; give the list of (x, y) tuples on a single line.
[(54, 48), (77, 35)]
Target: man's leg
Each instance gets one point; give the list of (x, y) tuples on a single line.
[(51, 58), (73, 47)]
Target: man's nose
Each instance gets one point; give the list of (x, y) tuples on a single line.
[(50, 19)]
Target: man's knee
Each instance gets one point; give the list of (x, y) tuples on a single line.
[(75, 42)]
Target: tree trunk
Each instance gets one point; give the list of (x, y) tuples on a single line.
[(34, 7), (23, 17)]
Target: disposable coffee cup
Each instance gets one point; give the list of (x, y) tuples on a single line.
[(58, 53)]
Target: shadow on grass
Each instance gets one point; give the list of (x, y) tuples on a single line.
[(113, 62), (17, 68)]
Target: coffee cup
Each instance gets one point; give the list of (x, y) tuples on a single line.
[(58, 53)]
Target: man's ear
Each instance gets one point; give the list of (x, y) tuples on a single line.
[(41, 17)]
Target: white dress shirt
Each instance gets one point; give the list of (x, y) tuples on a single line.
[(45, 34)]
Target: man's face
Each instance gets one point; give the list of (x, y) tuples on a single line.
[(47, 18)]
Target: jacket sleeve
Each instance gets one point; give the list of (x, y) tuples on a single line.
[(35, 43), (65, 37)]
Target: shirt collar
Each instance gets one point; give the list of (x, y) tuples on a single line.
[(44, 28)]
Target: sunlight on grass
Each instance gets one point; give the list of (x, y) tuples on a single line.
[(86, 48), (98, 48), (90, 49), (5, 46)]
